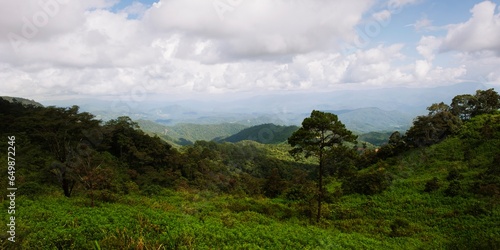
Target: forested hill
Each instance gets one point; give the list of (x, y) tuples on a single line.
[(85, 184), (22, 101), (265, 133), (188, 133)]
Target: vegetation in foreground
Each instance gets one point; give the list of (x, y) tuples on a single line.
[(84, 185)]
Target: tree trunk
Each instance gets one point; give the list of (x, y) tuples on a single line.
[(66, 185), (320, 185)]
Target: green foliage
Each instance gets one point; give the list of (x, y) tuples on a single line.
[(369, 182), (433, 128), (454, 174), (320, 133), (265, 133), (375, 138), (454, 188), (146, 195), (468, 106), (187, 133), (432, 185), (31, 189), (400, 227)]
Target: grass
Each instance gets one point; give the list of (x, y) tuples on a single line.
[(404, 217)]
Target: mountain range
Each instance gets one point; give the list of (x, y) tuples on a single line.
[(366, 110)]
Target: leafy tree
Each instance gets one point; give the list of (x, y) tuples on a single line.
[(463, 106), (92, 170), (434, 127), (124, 140), (468, 106), (319, 134), (59, 131), (488, 101), (274, 185)]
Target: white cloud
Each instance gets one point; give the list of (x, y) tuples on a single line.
[(372, 65), (382, 15), (136, 9), (422, 67), (428, 46), (261, 27), (401, 3), (480, 32), (183, 46), (423, 24)]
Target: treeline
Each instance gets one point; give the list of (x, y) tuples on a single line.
[(70, 151), (442, 121)]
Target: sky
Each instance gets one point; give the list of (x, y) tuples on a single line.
[(134, 50)]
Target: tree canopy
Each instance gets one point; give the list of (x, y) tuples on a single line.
[(320, 133)]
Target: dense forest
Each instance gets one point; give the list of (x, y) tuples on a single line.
[(87, 184)]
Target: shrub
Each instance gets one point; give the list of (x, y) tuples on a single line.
[(370, 183), (454, 174), (152, 190), (432, 185), (400, 227), (31, 189), (105, 195), (477, 209), (454, 188)]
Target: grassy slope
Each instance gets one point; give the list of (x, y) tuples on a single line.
[(403, 217)]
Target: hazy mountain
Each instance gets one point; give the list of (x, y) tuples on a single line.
[(393, 108), (374, 119), (185, 134), (23, 101)]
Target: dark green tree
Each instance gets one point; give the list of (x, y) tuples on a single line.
[(319, 134), (274, 184), (468, 106), (59, 131), (463, 106), (488, 101), (434, 127)]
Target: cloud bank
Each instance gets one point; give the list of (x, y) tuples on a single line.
[(65, 48)]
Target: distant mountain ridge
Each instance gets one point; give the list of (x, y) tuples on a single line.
[(283, 108), (187, 133), (23, 101), (373, 119)]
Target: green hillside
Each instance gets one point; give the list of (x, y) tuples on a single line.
[(84, 184), (265, 133), (375, 138), (187, 133), (23, 101)]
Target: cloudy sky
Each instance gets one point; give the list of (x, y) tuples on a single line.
[(133, 49)]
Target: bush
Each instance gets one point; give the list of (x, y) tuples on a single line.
[(31, 189), (454, 188), (370, 183), (152, 190), (477, 209), (400, 227), (454, 174), (432, 185), (105, 195)]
